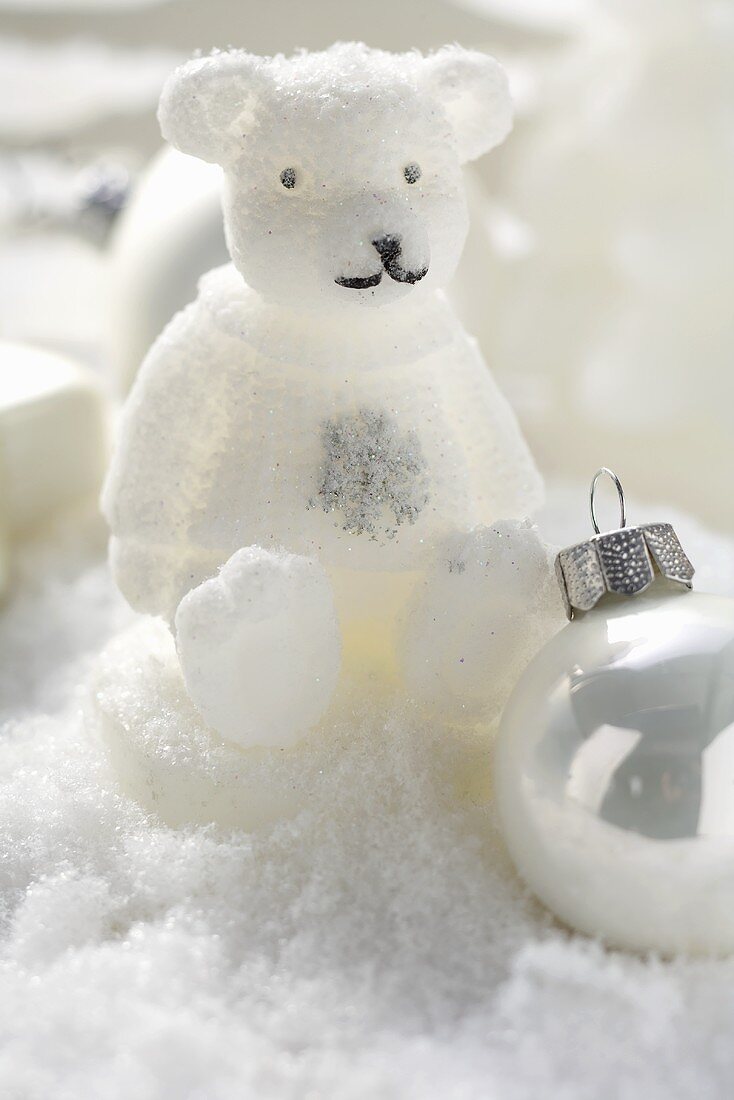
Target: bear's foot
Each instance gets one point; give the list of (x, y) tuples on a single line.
[(259, 647), (477, 618)]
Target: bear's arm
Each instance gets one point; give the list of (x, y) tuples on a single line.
[(163, 462)]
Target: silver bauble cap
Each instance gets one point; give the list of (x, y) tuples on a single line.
[(622, 561)]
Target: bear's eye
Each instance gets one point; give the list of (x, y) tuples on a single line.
[(412, 172), (288, 178)]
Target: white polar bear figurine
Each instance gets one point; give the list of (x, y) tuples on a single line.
[(306, 441)]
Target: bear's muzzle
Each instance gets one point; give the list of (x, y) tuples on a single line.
[(390, 250)]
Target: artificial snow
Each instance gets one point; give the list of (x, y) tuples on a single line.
[(375, 944)]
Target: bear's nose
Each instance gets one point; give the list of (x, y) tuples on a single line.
[(390, 249)]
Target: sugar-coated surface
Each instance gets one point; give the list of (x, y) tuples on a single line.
[(376, 945), (340, 126), (275, 418), (259, 644)]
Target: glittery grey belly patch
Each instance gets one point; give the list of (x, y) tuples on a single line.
[(373, 473)]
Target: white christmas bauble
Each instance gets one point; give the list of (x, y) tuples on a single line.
[(615, 773)]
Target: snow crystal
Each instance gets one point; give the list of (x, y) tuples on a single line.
[(375, 944)]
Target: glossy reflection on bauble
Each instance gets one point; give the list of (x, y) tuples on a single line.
[(614, 766)]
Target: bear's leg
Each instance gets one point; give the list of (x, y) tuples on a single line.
[(475, 620), (259, 647)]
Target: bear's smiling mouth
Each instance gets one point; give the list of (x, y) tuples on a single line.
[(390, 250), (360, 284)]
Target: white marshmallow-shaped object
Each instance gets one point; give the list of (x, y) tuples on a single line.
[(53, 435)]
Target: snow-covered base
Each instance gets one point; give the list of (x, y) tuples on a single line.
[(165, 757), (374, 944)]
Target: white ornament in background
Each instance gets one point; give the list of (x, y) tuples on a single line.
[(53, 436), (48, 89), (534, 16), (55, 292), (305, 442), (621, 188), (169, 234), (54, 215)]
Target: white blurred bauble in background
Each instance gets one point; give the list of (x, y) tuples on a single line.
[(53, 440), (609, 317), (170, 234)]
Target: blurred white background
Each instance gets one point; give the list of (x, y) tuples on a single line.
[(599, 274)]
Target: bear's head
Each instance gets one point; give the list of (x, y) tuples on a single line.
[(341, 168)]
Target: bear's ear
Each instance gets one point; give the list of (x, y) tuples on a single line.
[(473, 91), (208, 105)]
